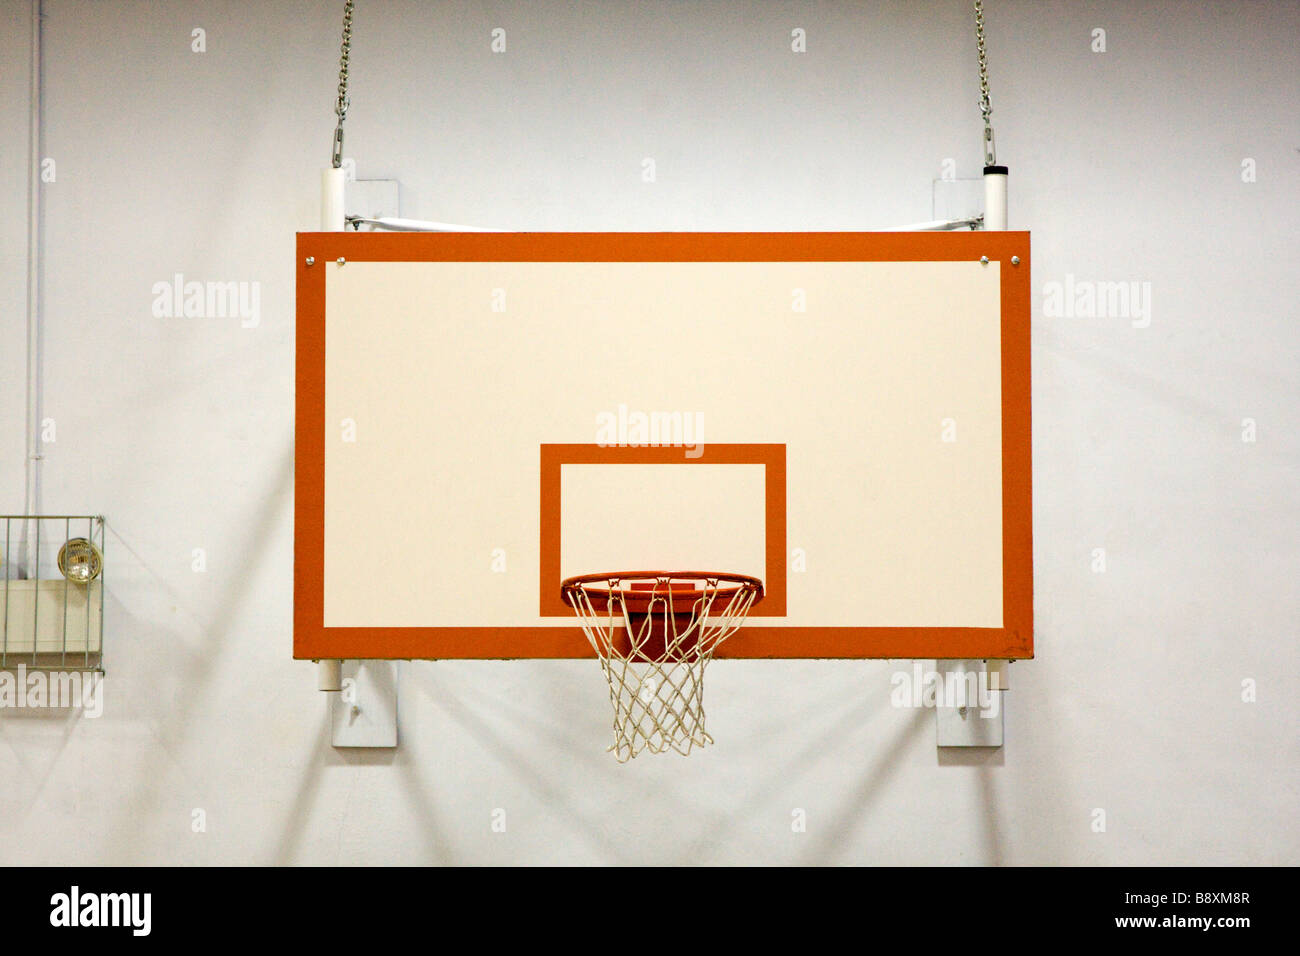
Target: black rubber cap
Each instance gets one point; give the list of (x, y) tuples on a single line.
[(996, 169)]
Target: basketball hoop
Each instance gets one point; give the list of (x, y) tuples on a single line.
[(655, 632)]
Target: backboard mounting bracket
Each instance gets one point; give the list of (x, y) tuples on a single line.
[(973, 716), (364, 713)]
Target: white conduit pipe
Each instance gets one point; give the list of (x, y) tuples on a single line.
[(32, 472)]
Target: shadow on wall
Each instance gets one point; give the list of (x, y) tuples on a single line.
[(872, 783), (201, 666), (522, 762)]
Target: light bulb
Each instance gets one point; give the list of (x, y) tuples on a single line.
[(79, 561)]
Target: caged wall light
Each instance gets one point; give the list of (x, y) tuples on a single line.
[(52, 592)]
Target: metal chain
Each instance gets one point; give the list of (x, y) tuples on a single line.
[(986, 108), (341, 106)]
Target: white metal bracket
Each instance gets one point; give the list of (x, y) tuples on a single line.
[(968, 711), (364, 712)]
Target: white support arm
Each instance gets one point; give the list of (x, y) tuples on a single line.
[(393, 224), (936, 225)]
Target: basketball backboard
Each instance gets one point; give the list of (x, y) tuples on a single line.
[(843, 415)]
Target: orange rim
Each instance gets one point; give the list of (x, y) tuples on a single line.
[(638, 599)]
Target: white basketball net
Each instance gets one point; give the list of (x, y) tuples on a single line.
[(654, 659)]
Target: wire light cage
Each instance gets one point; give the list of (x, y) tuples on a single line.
[(52, 592)]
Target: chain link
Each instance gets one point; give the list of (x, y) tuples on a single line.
[(986, 107), (341, 106)]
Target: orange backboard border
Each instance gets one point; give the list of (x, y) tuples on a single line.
[(1014, 640)]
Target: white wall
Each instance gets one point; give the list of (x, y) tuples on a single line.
[(1126, 165)]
